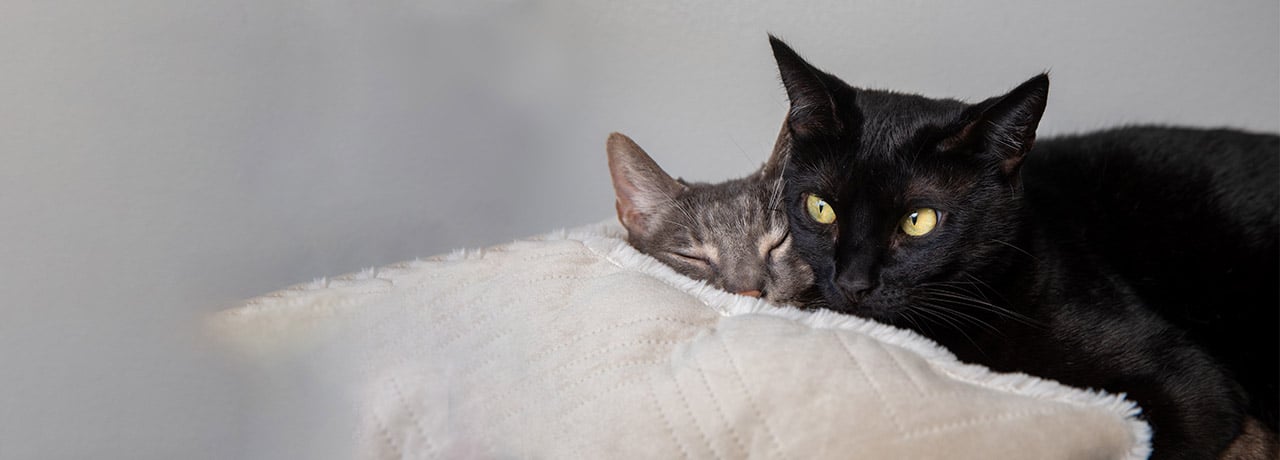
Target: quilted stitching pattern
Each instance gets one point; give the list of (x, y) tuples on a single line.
[(556, 349)]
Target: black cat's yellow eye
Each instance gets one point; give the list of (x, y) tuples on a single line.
[(920, 222), (819, 210)]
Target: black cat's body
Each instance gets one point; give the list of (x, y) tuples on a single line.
[(1085, 327), (1124, 260), (1190, 220)]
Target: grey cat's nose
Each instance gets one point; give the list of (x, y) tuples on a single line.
[(751, 293)]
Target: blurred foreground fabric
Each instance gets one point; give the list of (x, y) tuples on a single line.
[(574, 345)]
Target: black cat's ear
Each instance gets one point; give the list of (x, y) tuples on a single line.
[(1005, 126), (641, 187), (813, 103)]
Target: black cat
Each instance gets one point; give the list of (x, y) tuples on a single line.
[(1124, 260)]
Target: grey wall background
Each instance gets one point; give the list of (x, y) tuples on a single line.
[(163, 159)]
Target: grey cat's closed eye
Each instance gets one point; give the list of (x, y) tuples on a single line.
[(690, 258)]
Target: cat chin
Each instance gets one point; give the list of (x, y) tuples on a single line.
[(880, 313), (878, 309)]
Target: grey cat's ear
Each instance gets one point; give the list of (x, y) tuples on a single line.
[(1005, 126), (642, 188), (813, 104)]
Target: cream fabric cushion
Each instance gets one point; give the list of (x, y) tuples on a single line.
[(574, 345)]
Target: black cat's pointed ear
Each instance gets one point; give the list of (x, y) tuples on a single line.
[(1005, 126), (641, 187), (813, 104)]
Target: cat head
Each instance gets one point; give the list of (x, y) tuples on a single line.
[(730, 234), (896, 199)]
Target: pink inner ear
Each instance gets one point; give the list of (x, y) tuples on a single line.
[(630, 218), (632, 208), (625, 204)]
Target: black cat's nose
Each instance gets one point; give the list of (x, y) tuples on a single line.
[(751, 293), (857, 289)]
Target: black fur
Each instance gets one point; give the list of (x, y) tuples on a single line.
[(1125, 260), (1189, 218)]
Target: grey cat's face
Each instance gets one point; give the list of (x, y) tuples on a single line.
[(731, 234)]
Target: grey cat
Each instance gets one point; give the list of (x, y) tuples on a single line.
[(732, 235)]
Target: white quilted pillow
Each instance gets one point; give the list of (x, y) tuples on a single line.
[(574, 345)]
